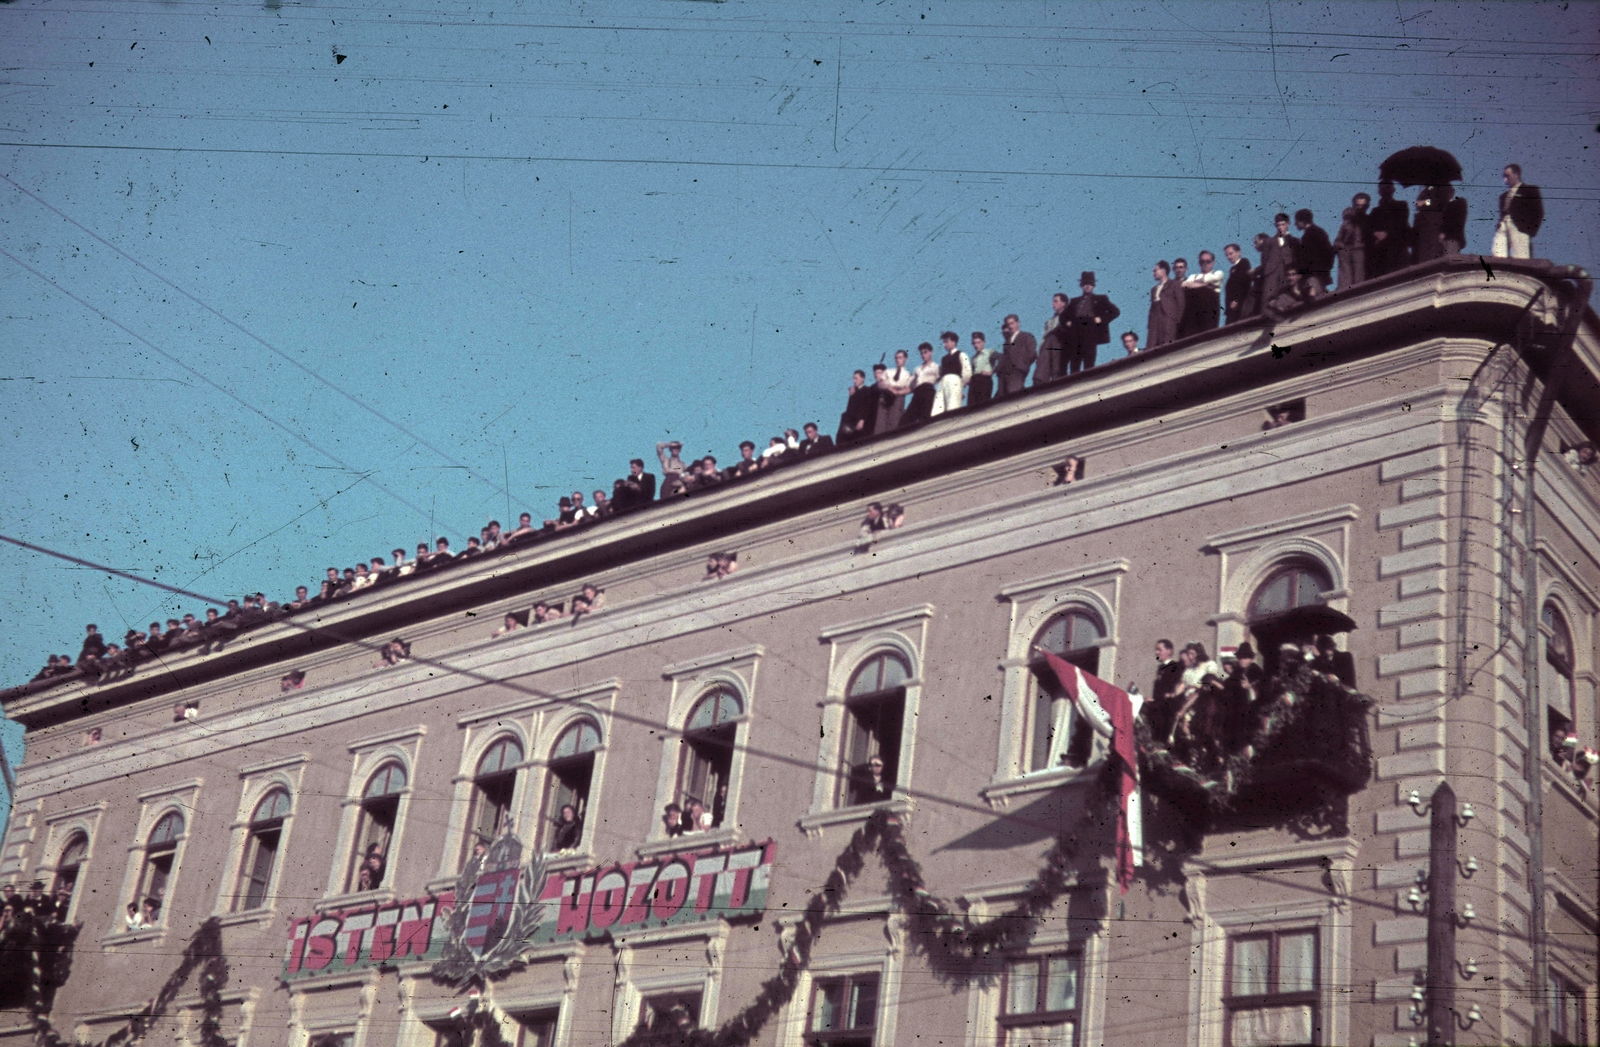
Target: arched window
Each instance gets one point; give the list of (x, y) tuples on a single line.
[(567, 785), (875, 703), (1295, 584), (68, 867), (160, 852), (261, 851), (493, 788), (706, 753), (1055, 737), (380, 806), (1556, 678)]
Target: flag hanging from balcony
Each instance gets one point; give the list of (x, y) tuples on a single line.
[(1110, 710)]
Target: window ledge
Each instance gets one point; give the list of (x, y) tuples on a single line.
[(246, 916), (144, 934), (999, 793), (816, 821), (354, 898), (1582, 793), (563, 860), (723, 836)]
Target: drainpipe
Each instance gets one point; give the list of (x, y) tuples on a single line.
[(1533, 657)]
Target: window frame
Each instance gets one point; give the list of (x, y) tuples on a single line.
[(1005, 1020), (255, 832), (1080, 736), (60, 866), (553, 767), (692, 682), (854, 728), (855, 1036), (1557, 665), (1232, 1004), (1301, 566), (168, 849), (723, 735), (367, 816), (507, 775)]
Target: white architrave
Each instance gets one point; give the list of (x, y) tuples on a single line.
[(1248, 556), (591, 701), (369, 754), (1097, 588), (1329, 913), (903, 632), (60, 828), (691, 681), (630, 990), (888, 963), (1579, 607), (184, 798), (258, 780)]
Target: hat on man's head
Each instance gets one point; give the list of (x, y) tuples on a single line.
[(1245, 651), (1086, 278)]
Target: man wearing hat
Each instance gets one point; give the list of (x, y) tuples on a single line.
[(1090, 316)]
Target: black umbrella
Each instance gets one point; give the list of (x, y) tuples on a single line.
[(1420, 165)]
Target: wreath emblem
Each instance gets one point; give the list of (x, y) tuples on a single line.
[(496, 914)]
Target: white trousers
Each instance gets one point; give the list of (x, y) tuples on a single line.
[(1511, 242), (947, 394)]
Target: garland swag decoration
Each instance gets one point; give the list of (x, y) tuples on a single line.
[(947, 936), (202, 953)]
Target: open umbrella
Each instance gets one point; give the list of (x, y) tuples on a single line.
[(1303, 623), (1420, 165)]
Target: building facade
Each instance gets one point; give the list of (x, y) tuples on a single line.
[(317, 826)]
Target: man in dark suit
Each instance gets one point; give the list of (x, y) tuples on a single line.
[(1521, 215), (1090, 316), (1315, 261), (1336, 663), (1053, 346), (1236, 291), (815, 443), (1390, 228), (1166, 693), (860, 411), (1021, 350), (1166, 307)]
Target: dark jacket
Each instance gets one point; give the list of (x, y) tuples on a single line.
[(1392, 217), (1085, 330), (1236, 291), (1315, 257), (1015, 360), (821, 445), (1165, 313), (1527, 208), (1455, 222)]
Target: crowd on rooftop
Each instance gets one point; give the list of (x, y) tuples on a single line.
[(1294, 270)]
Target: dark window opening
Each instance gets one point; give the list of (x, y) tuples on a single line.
[(1556, 682), (706, 758), (1286, 413), (670, 1010), (160, 852), (844, 1011), (567, 785), (68, 868), (493, 789), (1271, 995), (875, 704), (261, 851), (1074, 637), (536, 1030), (1568, 1026), (1041, 1001), (380, 807)]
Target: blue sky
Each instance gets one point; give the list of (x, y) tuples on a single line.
[(269, 309)]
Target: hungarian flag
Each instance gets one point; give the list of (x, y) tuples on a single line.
[(1110, 710)]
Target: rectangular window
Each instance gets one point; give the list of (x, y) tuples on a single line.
[(536, 1030), (1271, 994), (670, 1010), (1567, 1025), (844, 1011), (333, 1039), (1041, 1002)]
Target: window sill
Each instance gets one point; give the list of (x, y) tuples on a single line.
[(246, 917), (723, 836), (144, 934), (564, 860), (1000, 793), (816, 821), (354, 899)]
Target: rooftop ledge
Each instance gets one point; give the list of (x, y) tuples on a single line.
[(1448, 296)]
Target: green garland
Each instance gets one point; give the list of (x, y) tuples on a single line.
[(951, 941), (203, 953)]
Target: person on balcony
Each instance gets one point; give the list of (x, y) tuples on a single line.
[(569, 829), (868, 784), (1340, 665)]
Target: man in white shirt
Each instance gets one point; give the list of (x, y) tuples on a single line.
[(898, 382), (1202, 297)]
